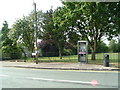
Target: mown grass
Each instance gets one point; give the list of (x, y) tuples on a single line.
[(113, 58), (72, 58)]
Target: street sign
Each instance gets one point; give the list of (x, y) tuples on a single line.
[(82, 51), (34, 54)]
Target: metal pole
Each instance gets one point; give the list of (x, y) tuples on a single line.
[(35, 27)]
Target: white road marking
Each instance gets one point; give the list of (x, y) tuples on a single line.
[(67, 81), (1, 75)]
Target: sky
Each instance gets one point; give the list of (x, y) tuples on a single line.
[(11, 10)]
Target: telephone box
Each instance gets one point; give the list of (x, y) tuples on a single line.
[(82, 51)]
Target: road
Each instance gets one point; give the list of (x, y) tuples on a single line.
[(38, 78)]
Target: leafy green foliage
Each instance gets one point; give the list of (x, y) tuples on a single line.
[(15, 52), (72, 22), (54, 32), (9, 48), (48, 48), (4, 37), (92, 20), (23, 31), (114, 46), (67, 52), (102, 48), (59, 30)]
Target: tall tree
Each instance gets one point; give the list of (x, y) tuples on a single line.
[(4, 37), (6, 43), (93, 20), (60, 29), (53, 32), (8, 48), (23, 31)]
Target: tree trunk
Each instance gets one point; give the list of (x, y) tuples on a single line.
[(93, 49), (60, 53), (25, 56), (93, 56)]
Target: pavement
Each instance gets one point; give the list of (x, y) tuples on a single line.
[(58, 65)]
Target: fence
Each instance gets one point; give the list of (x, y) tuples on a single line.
[(113, 59)]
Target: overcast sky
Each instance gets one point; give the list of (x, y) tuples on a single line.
[(10, 10)]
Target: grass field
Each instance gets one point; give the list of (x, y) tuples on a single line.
[(113, 58)]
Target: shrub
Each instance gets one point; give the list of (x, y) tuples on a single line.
[(15, 53), (67, 52)]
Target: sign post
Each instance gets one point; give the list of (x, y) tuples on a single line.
[(35, 33), (83, 51)]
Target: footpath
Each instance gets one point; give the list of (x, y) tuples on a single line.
[(58, 65)]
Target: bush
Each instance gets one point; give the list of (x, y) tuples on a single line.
[(11, 52), (49, 54), (49, 49), (72, 47), (15, 53), (67, 52), (5, 52)]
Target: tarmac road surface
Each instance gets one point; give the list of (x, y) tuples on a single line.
[(39, 78)]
